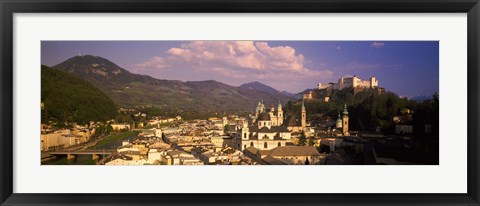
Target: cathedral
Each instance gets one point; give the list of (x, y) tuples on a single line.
[(267, 129), (276, 118)]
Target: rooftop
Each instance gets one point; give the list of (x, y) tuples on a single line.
[(294, 151)]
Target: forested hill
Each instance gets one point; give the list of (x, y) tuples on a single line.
[(67, 98), (369, 109)]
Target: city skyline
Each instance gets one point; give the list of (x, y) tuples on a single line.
[(406, 68)]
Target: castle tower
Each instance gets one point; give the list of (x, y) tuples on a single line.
[(304, 115), (279, 113), (345, 121), (373, 82)]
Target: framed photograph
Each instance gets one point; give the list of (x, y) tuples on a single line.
[(247, 103)]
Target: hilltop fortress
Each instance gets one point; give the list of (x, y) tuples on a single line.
[(323, 91)]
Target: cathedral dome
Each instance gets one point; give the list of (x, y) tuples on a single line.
[(263, 117), (339, 122)]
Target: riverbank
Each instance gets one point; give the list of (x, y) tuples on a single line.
[(113, 138)]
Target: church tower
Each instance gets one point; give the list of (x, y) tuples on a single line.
[(345, 121), (262, 106), (279, 113), (245, 131), (304, 115), (257, 110)]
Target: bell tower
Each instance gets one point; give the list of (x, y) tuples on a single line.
[(304, 115), (345, 121), (279, 113)]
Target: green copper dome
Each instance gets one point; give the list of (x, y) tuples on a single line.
[(345, 111), (339, 120)]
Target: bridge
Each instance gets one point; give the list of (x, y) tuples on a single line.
[(73, 154)]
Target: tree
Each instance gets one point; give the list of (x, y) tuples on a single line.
[(303, 139), (109, 129), (310, 141), (226, 129)]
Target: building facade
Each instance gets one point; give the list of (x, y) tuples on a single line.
[(268, 129), (356, 82), (276, 117)]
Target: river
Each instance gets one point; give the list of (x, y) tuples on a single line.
[(110, 143)]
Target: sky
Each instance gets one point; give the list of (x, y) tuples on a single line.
[(408, 68)]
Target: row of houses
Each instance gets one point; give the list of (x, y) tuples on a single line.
[(63, 138)]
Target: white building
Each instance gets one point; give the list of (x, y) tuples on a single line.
[(154, 156), (289, 155), (126, 162), (355, 82), (351, 82), (122, 126)]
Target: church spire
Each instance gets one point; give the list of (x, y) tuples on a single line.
[(345, 121), (304, 115), (345, 111)]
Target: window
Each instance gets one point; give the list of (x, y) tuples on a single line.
[(265, 145), (251, 144), (244, 146), (279, 144), (245, 135), (264, 123)]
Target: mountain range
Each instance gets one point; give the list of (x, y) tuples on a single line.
[(128, 90)]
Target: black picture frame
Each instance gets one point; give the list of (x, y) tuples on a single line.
[(10, 7)]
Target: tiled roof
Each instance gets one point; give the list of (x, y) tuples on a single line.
[(253, 128), (294, 151), (252, 150), (265, 130), (291, 121), (263, 117), (273, 161), (280, 129), (173, 153), (273, 129)]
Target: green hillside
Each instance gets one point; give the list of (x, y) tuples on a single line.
[(368, 109), (68, 98)]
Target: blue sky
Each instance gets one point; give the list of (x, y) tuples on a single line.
[(408, 68)]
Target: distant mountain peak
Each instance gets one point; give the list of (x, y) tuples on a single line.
[(255, 85), (129, 89), (90, 64)]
